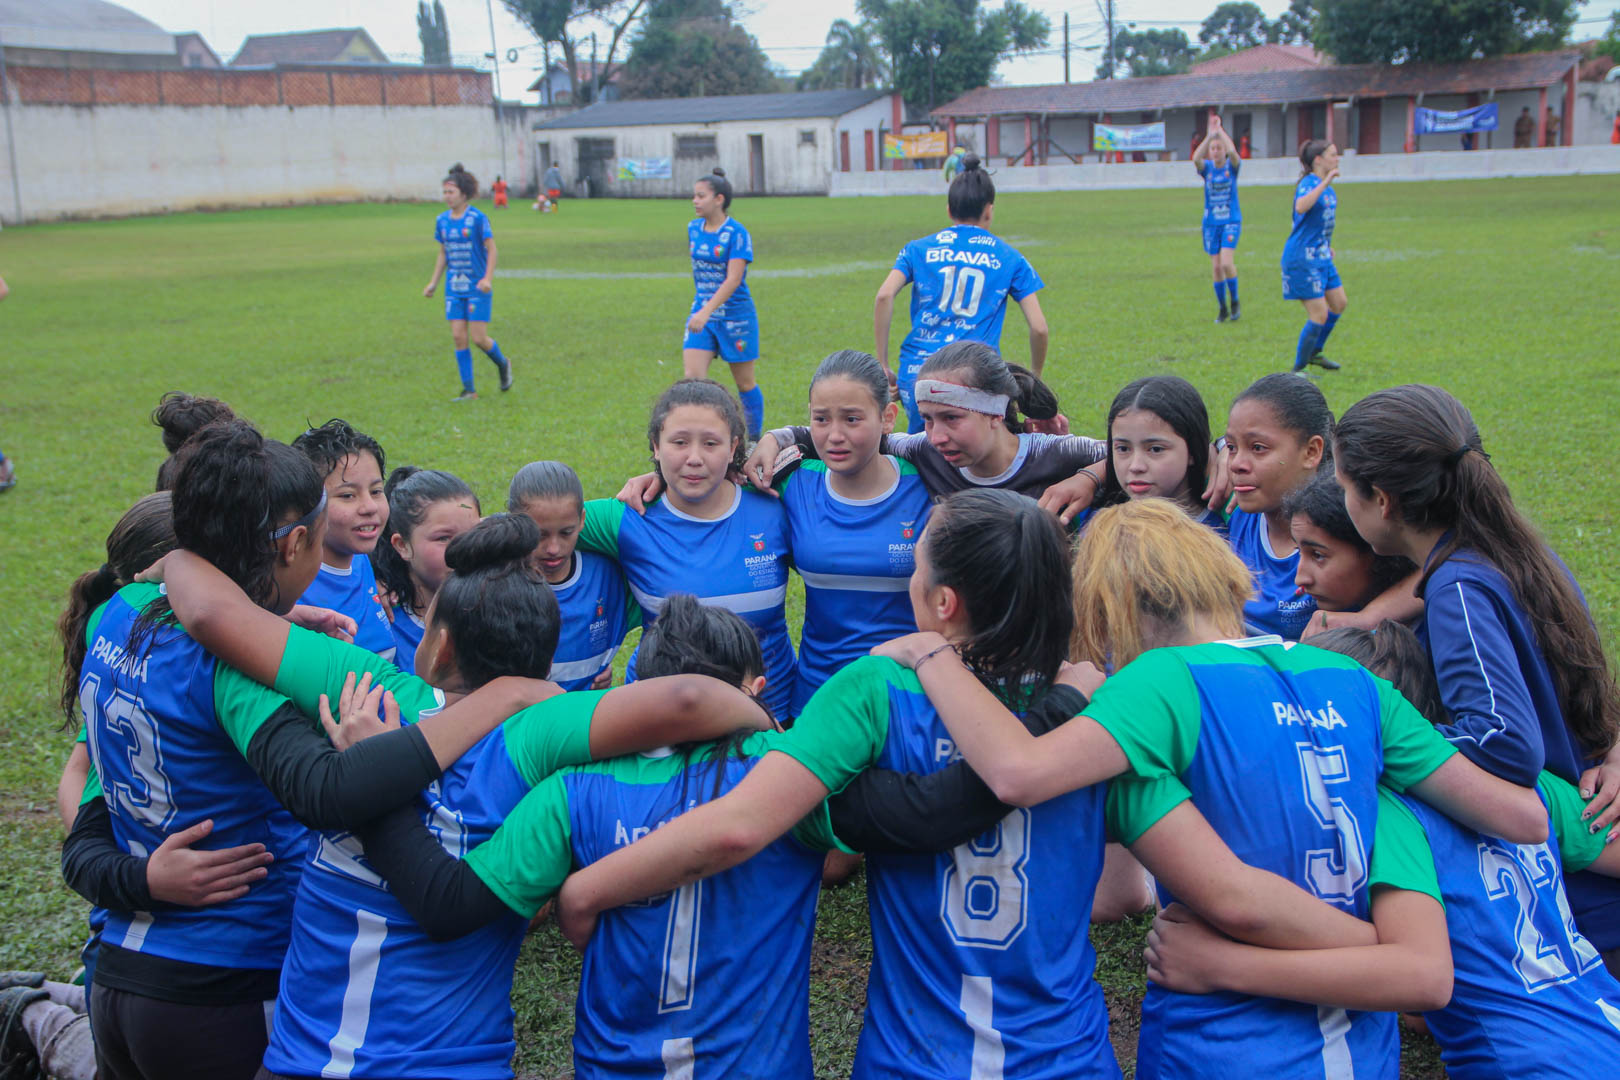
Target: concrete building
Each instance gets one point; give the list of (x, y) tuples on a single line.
[(195, 53), (83, 34), (555, 88), (769, 144), (350, 45)]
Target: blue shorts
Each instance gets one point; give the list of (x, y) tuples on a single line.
[(736, 341), (1219, 236), (471, 308), (1308, 281), (910, 366)]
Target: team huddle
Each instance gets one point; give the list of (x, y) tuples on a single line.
[(1316, 683)]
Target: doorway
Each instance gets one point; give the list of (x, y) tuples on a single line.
[(756, 164)]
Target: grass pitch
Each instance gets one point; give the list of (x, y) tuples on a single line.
[(1502, 291)]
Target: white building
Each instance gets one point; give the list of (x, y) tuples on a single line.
[(769, 144)]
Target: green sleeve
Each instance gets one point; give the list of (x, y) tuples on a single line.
[(313, 664), (815, 831), (844, 725), (632, 610), (91, 624), (92, 785), (1401, 856), (1578, 846), (601, 531), (552, 735), (241, 705), (526, 860), (1412, 748), (1152, 709), (1136, 805)]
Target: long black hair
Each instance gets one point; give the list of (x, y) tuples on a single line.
[(970, 192), (1309, 151), (987, 371), (1008, 561), (1298, 405), (710, 395), (1178, 403), (501, 615), (1322, 500), (1420, 446), (410, 491), (142, 536)]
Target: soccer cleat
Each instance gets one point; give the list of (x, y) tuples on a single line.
[(32, 979), (465, 395), (1222, 317), (17, 1054), (1237, 311), (506, 376), (1323, 362)]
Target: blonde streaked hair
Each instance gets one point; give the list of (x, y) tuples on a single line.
[(1146, 561)]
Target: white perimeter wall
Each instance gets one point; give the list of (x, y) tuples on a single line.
[(112, 160)]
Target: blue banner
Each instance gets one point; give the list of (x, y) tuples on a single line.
[(1439, 122)]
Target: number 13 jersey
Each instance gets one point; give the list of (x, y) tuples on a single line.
[(961, 279)]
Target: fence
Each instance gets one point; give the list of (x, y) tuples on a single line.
[(291, 85)]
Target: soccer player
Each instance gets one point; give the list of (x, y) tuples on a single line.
[(1520, 665), (180, 416), (723, 322), (1336, 567), (597, 608), (729, 546), (961, 279), (427, 509), (498, 190), (351, 464), (1307, 259), (1216, 162), (551, 201), (467, 252)]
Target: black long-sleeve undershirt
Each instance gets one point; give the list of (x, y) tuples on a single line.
[(95, 867), (443, 894)]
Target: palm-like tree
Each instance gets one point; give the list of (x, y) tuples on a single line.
[(850, 59)]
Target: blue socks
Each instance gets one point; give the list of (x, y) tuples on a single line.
[(464, 365), (1220, 293), (1231, 288), (753, 403), (1309, 335), (494, 353), (1327, 328)]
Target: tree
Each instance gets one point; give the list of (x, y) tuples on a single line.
[(1292, 27), (1149, 52), (433, 32), (1233, 26), (851, 60), (694, 48), (1609, 44), (940, 49), (548, 20), (1395, 31)]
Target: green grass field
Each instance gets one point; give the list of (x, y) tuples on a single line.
[(1502, 291)]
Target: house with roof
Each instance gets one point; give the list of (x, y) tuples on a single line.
[(1266, 57), (768, 144), (555, 88), (349, 45), (83, 34)]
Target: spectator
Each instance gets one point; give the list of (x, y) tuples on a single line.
[(1552, 129), (1524, 130)]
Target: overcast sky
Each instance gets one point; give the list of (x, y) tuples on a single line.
[(790, 31)]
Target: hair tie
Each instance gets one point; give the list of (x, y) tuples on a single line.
[(1462, 451), (106, 568)]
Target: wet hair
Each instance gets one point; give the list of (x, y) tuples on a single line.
[(862, 367), (720, 186), (1147, 562), (234, 490), (1322, 500), (410, 491), (1298, 406), (970, 192), (1394, 653), (1421, 447), (1309, 151), (987, 371), (142, 536), (544, 480), (1007, 559), (501, 615), (328, 445), (705, 393), (465, 182), (180, 416), (1178, 403)]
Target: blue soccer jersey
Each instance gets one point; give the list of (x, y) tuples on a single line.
[(596, 614), (407, 629), (1282, 748), (1220, 193), (738, 561), (712, 253), (856, 562), (465, 258), (1278, 607), (712, 979), (1311, 241), (353, 592), (355, 949), (981, 957), (167, 729)]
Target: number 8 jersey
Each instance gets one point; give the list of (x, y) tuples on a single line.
[(961, 279)]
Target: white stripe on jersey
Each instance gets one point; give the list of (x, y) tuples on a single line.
[(679, 1059), (854, 582), (1336, 1060), (989, 1055), (364, 956), (739, 603), (581, 669), (135, 936)]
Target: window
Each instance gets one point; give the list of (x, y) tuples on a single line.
[(695, 146), (807, 136)]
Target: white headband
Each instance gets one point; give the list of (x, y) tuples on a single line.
[(966, 397)]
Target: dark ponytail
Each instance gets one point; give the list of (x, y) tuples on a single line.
[(984, 369), (1309, 151), (719, 185), (1008, 561), (859, 366), (465, 182), (410, 491), (142, 536), (1392, 652), (499, 611), (970, 192), (1420, 446), (180, 416)]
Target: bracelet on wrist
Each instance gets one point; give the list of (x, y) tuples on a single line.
[(929, 655)]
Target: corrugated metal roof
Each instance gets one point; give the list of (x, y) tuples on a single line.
[(82, 25), (1266, 57), (715, 110), (1522, 72)]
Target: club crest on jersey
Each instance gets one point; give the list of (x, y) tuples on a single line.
[(945, 237), (757, 538), (906, 529), (598, 609)]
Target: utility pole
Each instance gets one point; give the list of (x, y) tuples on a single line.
[(1065, 46), (1105, 8), (595, 90), (495, 55)]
